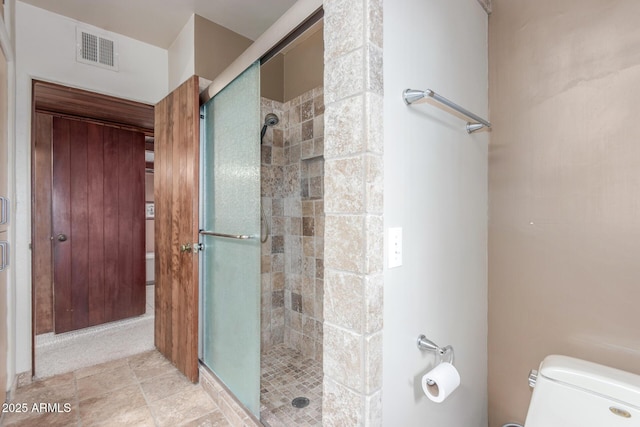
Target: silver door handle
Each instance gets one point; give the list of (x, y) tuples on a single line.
[(4, 255), (4, 210), (61, 237), (228, 236)]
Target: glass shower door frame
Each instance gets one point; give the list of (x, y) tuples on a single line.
[(230, 220)]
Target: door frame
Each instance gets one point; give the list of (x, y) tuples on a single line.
[(55, 99)]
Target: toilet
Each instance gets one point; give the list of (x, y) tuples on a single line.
[(569, 392)]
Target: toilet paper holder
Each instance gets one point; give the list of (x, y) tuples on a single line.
[(426, 344)]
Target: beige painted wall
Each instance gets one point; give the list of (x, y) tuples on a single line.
[(304, 66), (215, 47), (298, 69), (272, 79), (564, 228)]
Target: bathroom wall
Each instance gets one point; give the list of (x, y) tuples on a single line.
[(435, 188), (293, 200), (564, 229), (297, 69), (303, 64), (272, 78), (203, 48), (215, 47)]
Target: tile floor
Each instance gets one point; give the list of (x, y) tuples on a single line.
[(285, 376), (141, 390), (146, 390)]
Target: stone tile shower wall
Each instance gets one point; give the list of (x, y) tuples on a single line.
[(293, 200), (353, 92)]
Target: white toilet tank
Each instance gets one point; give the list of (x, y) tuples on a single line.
[(571, 392)]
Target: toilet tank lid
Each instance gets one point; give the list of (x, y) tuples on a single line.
[(604, 380)]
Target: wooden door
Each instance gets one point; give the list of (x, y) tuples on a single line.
[(98, 224), (176, 175)]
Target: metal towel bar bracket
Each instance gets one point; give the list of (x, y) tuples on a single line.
[(412, 95)]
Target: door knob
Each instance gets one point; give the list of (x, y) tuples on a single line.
[(62, 237), (185, 248)]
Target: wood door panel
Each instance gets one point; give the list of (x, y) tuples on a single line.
[(138, 230), (162, 227), (176, 223), (78, 233), (98, 202), (54, 100), (96, 226), (125, 227), (110, 148), (42, 227), (61, 225)]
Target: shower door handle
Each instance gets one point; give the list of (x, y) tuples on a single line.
[(227, 236)]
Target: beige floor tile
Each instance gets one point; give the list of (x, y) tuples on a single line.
[(162, 386), (96, 369), (143, 390), (95, 410), (213, 419), (50, 389), (48, 419), (105, 381), (182, 407), (150, 364), (60, 389), (139, 417), (41, 418)]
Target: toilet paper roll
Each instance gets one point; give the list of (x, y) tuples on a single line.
[(445, 379)]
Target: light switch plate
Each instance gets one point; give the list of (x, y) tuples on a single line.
[(395, 247)]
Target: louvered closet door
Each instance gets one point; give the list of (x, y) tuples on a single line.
[(98, 224)]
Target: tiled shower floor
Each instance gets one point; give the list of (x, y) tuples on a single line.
[(285, 376)]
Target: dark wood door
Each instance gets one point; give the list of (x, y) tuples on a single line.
[(176, 175), (98, 224)]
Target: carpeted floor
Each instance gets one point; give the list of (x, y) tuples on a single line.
[(62, 353)]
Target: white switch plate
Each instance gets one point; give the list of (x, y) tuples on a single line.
[(395, 247)]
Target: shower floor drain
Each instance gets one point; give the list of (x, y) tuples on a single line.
[(300, 402)]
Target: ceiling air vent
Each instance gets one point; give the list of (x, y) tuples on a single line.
[(95, 49)]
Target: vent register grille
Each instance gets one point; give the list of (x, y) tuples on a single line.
[(96, 50)]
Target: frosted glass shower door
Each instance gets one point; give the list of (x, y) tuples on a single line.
[(231, 237)]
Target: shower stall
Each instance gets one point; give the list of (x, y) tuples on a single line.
[(262, 222), (292, 263)]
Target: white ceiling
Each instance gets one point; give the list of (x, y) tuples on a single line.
[(158, 22)]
